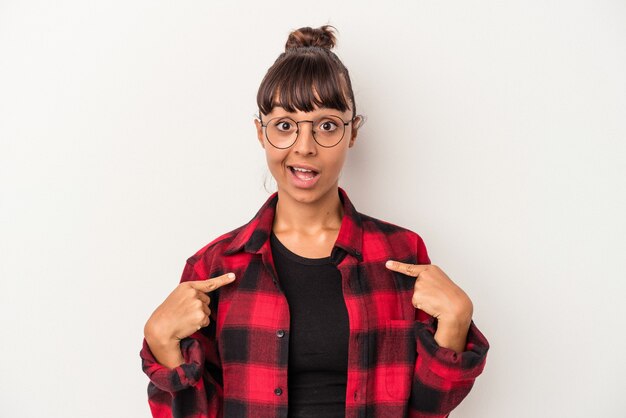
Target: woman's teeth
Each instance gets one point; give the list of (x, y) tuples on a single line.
[(303, 174)]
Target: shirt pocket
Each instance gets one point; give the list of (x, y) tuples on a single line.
[(398, 358)]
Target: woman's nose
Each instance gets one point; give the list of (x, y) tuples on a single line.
[(305, 143)]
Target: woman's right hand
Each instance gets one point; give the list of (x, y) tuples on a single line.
[(182, 313)]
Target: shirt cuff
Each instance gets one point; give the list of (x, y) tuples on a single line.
[(173, 380), (446, 363)]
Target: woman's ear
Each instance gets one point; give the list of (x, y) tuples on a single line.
[(259, 132), (356, 124)]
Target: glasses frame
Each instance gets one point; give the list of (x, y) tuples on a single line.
[(313, 130)]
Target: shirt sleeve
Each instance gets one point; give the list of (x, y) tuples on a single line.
[(194, 388), (442, 377)]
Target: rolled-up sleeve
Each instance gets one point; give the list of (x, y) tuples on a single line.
[(443, 377), (173, 380)]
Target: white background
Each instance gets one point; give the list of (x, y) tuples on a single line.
[(495, 130)]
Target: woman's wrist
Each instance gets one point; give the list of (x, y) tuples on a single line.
[(452, 334), (165, 350), (167, 353)]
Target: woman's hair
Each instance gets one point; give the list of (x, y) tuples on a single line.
[(306, 75)]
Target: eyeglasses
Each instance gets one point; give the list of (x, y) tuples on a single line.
[(282, 132)]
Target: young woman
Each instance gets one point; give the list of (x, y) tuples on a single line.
[(311, 309)]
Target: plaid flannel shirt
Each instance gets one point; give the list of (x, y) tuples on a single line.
[(237, 366)]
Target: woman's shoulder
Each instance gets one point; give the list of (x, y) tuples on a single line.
[(218, 246), (372, 225), (222, 242), (378, 233)]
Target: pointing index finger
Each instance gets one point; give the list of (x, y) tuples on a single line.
[(412, 270), (214, 283)]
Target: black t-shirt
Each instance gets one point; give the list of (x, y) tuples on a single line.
[(319, 330)]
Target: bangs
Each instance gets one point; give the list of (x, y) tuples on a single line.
[(303, 82)]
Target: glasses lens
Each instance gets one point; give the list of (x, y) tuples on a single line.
[(328, 131), (281, 132)]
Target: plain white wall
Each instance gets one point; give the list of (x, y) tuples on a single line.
[(496, 130)]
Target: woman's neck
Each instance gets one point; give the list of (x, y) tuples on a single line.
[(308, 218)]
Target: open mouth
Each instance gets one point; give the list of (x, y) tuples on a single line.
[(303, 173)]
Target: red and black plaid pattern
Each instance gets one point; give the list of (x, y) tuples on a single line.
[(237, 366)]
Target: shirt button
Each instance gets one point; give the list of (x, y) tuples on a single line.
[(280, 333), (278, 391)]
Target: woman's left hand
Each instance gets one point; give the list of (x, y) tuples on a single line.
[(438, 296)]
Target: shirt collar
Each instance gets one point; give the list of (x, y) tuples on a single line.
[(255, 233)]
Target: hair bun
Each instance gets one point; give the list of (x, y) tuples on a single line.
[(323, 37)]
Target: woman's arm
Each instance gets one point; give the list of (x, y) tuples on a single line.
[(451, 351), (179, 352)]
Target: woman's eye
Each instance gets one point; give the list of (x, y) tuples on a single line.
[(283, 125), (327, 126)]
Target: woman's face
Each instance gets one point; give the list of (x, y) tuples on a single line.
[(307, 171)]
